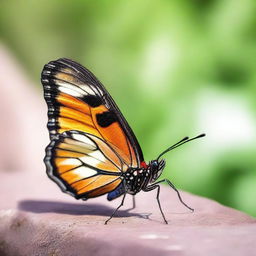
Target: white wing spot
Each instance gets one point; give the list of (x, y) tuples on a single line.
[(70, 87), (84, 139), (70, 91), (85, 172), (87, 147), (87, 89), (89, 160), (98, 155), (70, 161)]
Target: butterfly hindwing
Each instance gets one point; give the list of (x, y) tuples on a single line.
[(83, 165)]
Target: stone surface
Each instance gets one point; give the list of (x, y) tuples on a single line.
[(36, 218)]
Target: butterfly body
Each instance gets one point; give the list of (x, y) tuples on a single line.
[(139, 179), (93, 151)]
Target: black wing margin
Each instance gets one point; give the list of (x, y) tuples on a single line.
[(97, 87)]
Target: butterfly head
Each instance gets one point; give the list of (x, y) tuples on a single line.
[(156, 168)]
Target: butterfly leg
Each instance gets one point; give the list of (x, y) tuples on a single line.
[(106, 222), (133, 202), (152, 187), (176, 190)]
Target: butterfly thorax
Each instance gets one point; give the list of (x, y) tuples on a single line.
[(137, 179)]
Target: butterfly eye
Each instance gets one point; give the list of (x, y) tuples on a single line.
[(154, 165)]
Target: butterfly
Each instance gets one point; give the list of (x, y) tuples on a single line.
[(93, 151)]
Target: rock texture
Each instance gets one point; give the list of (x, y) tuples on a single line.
[(37, 219)]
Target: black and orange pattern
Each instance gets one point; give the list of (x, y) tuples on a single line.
[(84, 164), (93, 150), (79, 106)]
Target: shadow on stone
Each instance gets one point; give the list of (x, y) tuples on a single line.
[(40, 206)]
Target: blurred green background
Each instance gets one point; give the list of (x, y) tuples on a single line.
[(175, 68)]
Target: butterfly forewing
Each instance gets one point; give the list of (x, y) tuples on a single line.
[(78, 101), (92, 143)]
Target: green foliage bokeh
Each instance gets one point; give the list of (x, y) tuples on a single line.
[(175, 68)]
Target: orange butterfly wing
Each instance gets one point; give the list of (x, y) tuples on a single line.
[(77, 101), (83, 165)]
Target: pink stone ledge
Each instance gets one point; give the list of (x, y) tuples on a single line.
[(37, 219)]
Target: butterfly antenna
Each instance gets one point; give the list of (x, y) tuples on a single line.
[(181, 142)]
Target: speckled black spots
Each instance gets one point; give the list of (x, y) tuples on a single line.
[(106, 118), (92, 100)]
